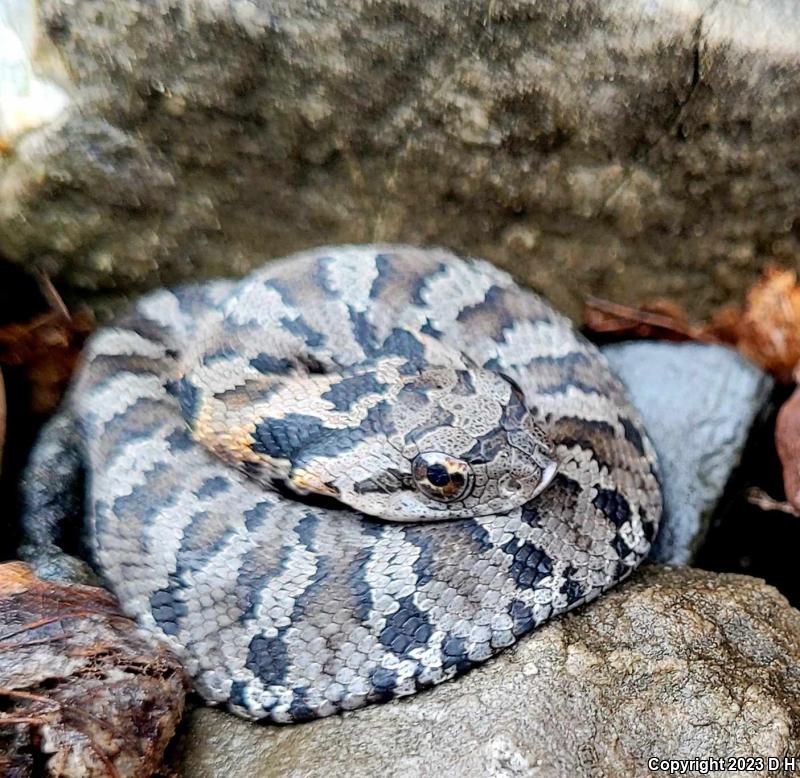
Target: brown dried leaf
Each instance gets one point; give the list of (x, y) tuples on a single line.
[(659, 319), (81, 691), (768, 329), (725, 325), (47, 348), (2, 419), (787, 443)]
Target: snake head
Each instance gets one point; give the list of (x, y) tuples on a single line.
[(419, 433), (449, 443)]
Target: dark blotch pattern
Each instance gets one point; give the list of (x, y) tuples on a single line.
[(220, 354), (570, 587), (270, 365), (490, 314), (134, 505), (621, 547), (632, 435), (419, 285), (180, 440), (531, 564), (454, 654), (299, 327), (522, 616), (257, 515), (406, 629), (424, 564), (299, 708), (228, 581), (212, 486), (167, 608), (362, 329), (252, 576), (404, 344), (567, 487), (614, 506), (386, 274), (572, 383), (347, 391), (187, 396), (268, 659), (428, 329), (596, 436), (285, 438), (648, 527), (238, 694), (384, 682)]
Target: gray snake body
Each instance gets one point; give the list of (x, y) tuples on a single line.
[(322, 487)]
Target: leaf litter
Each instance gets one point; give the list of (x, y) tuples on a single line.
[(82, 691), (766, 329), (46, 348)]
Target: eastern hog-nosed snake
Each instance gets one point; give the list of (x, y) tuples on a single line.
[(357, 472)]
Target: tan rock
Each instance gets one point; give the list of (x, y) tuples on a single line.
[(623, 148), (675, 664)]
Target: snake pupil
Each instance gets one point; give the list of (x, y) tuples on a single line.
[(437, 474)]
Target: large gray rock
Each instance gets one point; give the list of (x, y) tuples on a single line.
[(627, 148), (675, 664), (698, 403)]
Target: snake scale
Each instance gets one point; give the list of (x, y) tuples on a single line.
[(355, 473)]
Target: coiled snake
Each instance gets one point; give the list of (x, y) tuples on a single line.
[(353, 474)]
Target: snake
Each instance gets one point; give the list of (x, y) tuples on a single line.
[(355, 473)]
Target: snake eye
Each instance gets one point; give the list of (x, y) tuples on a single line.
[(442, 477)]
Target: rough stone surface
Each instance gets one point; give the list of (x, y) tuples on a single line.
[(627, 148), (698, 403), (677, 663)]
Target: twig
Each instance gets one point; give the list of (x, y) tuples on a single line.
[(638, 317), (54, 299), (762, 500)]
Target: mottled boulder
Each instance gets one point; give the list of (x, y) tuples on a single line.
[(698, 403), (676, 663), (627, 148)]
